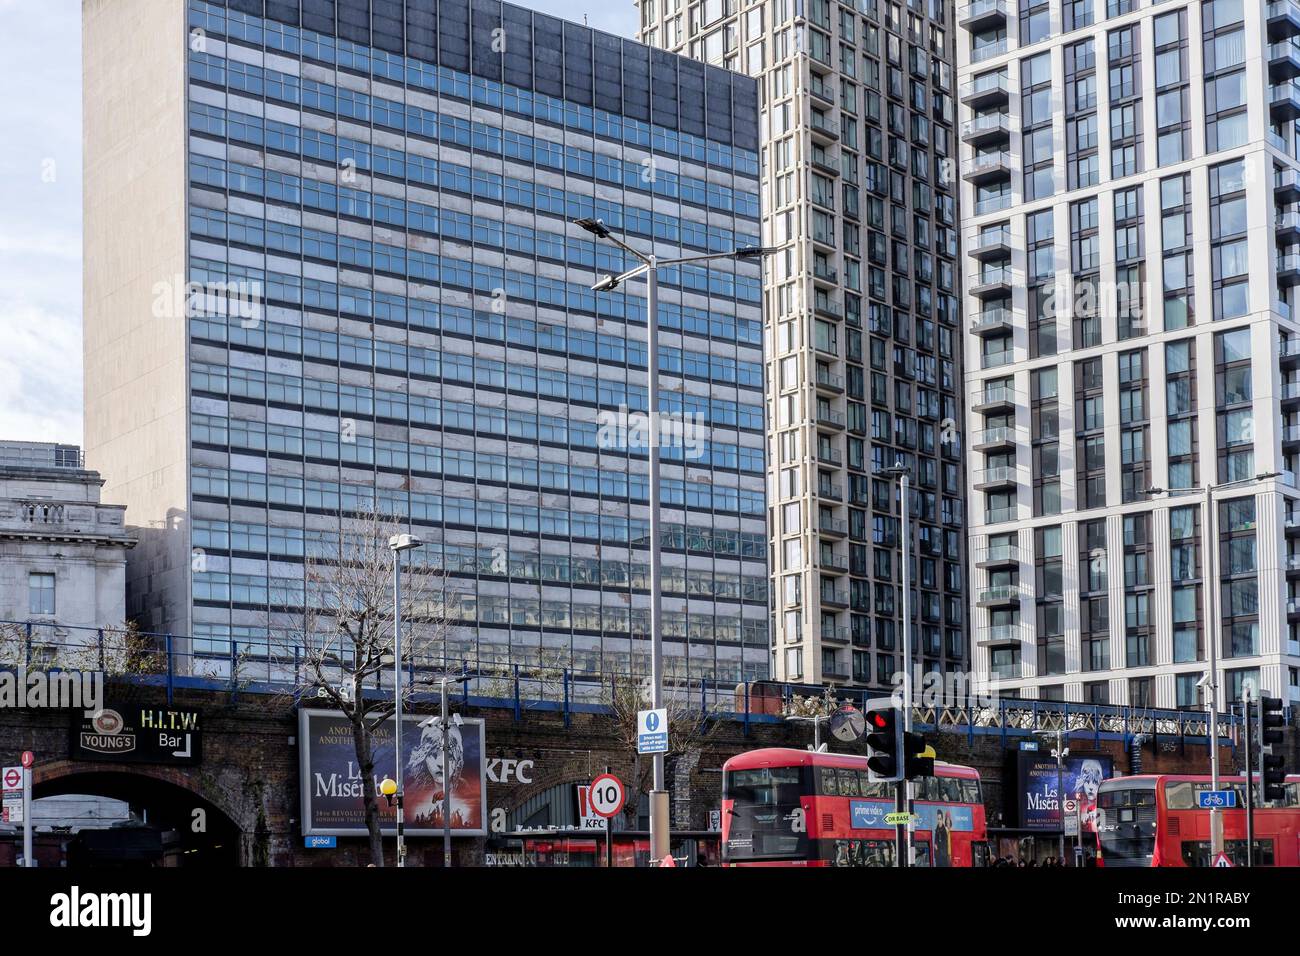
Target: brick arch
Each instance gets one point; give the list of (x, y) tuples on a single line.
[(177, 777)]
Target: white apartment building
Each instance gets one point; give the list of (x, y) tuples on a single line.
[(1129, 181)]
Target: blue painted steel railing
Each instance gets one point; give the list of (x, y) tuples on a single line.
[(263, 666)]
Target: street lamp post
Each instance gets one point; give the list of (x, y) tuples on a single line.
[(397, 544), (904, 476), (650, 264), (444, 725), (1210, 548), (1059, 753)]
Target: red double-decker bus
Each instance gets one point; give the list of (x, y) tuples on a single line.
[(1156, 820), (783, 807)]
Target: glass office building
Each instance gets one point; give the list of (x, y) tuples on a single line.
[(393, 184), (861, 320)]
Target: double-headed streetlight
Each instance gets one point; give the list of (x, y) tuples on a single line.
[(904, 475), (397, 544), (650, 264), (1210, 549)]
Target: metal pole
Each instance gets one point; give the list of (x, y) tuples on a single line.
[(446, 781), (1060, 797), (397, 697), (28, 859), (817, 734), (659, 836), (1211, 549), (609, 838), (1250, 783), (907, 647)]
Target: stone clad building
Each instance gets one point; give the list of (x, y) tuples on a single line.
[(62, 551)]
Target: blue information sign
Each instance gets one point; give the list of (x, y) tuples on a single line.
[(1221, 799), (320, 842)]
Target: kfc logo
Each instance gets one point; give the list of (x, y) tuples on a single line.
[(500, 770)]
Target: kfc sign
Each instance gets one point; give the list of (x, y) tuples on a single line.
[(501, 770)]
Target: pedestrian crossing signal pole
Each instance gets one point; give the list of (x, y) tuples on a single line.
[(885, 764)]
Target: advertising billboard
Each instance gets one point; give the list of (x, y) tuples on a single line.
[(330, 781), (1081, 775)]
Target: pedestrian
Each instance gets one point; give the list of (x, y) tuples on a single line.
[(1090, 861), (701, 860)]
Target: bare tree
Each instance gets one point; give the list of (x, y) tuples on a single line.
[(688, 725), (344, 638)]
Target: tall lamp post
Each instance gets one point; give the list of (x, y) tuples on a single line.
[(444, 725), (1210, 548), (650, 264), (904, 475), (1060, 752), (397, 544)]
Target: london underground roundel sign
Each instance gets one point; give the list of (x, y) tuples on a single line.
[(607, 795)]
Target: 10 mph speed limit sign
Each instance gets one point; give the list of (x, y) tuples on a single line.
[(607, 795)]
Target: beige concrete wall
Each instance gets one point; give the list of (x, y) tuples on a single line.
[(134, 62)]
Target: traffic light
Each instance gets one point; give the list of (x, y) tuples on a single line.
[(919, 760), (884, 741), (1272, 771)]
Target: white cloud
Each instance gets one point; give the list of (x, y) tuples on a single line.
[(40, 375)]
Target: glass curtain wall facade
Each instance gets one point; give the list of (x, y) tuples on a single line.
[(860, 322), (398, 180), (1149, 169)]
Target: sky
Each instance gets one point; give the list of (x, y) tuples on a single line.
[(40, 207)]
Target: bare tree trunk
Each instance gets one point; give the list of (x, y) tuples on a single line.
[(366, 763)]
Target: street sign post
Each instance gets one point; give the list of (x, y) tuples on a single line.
[(1071, 818), (652, 731), (16, 804), (607, 797), (28, 759), (1216, 799)]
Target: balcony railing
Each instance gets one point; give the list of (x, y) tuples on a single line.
[(999, 435), (988, 51), (990, 241), (832, 525), (1000, 594), (993, 85), (831, 491), (1001, 474), (830, 380), (1003, 634), (1000, 553), (996, 395), (986, 125)]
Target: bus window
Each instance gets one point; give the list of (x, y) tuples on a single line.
[(1180, 796), (765, 786), (970, 791), (830, 783), (880, 790), (848, 782), (949, 789)]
